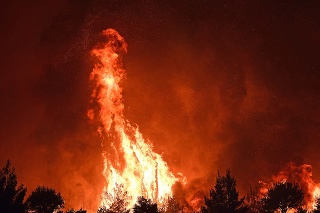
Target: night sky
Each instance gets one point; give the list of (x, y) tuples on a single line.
[(212, 85)]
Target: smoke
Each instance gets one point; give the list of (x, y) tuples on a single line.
[(232, 85), (44, 88)]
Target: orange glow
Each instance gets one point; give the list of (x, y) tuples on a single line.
[(315, 194), (302, 175), (129, 161)]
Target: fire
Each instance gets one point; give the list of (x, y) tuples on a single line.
[(315, 194), (128, 159), (302, 175)]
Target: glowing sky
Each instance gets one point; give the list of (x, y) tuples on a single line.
[(213, 86)]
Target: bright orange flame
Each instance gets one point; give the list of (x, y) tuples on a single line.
[(130, 161), (302, 175), (315, 194)]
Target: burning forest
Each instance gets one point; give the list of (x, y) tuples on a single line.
[(159, 106)]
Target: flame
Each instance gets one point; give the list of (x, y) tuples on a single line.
[(128, 159), (315, 194), (302, 175)]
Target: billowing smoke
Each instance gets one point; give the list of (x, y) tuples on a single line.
[(213, 86)]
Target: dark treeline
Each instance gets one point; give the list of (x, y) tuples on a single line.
[(223, 198)]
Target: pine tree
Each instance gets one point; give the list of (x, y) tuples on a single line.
[(144, 205), (11, 195), (224, 197)]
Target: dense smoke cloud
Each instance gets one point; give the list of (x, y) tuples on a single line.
[(213, 86)]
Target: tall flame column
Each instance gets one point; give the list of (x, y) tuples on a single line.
[(129, 161)]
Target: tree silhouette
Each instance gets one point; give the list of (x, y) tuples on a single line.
[(11, 196), (44, 200), (144, 205), (170, 205), (224, 197), (253, 200), (283, 196), (116, 202)]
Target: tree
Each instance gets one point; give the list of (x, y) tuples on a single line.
[(253, 200), (283, 196), (116, 202), (144, 205), (224, 197), (170, 205), (44, 200), (11, 195)]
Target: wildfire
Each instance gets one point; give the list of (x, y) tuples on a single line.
[(128, 159), (302, 175)]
